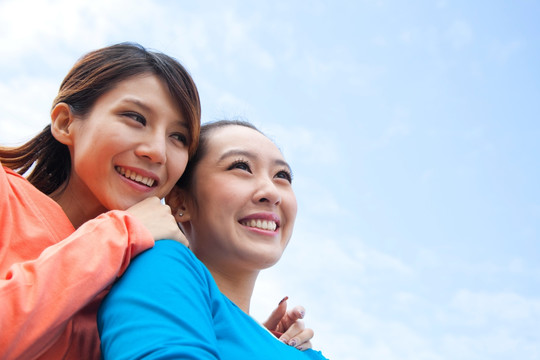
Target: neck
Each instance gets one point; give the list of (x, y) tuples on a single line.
[(76, 210), (238, 287)]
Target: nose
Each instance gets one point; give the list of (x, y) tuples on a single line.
[(267, 192), (153, 147)]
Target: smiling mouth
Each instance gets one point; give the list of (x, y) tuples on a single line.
[(131, 175), (260, 224)]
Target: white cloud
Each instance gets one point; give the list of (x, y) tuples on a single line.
[(492, 344), (481, 308), (232, 104), (399, 127), (504, 51), (379, 40), (25, 104), (310, 146), (238, 40), (406, 36), (335, 305), (44, 25), (459, 34)]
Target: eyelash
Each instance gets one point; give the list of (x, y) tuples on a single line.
[(235, 164), (136, 116), (287, 173), (181, 137), (142, 120)]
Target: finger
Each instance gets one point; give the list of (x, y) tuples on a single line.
[(296, 313), (304, 338), (295, 334), (305, 346), (277, 315), (181, 238), (301, 339)]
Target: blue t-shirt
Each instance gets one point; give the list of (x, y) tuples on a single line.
[(168, 306)]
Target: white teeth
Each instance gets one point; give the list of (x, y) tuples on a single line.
[(135, 177), (261, 224)]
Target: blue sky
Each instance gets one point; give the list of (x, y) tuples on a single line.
[(413, 130)]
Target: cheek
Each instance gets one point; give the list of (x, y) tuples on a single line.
[(219, 199), (89, 156), (292, 206), (177, 164)]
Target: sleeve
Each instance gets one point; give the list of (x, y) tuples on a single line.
[(161, 308), (40, 296)]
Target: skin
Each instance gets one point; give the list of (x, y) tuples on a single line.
[(136, 126), (242, 177)]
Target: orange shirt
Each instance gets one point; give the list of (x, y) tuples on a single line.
[(53, 277)]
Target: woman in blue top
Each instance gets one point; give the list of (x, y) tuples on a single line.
[(236, 205)]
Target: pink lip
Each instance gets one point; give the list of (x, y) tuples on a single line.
[(143, 173)]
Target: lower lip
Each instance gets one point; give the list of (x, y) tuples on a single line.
[(135, 185), (261, 231)]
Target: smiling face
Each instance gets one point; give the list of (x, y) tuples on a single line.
[(132, 145), (241, 206)]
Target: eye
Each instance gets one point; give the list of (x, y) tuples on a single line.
[(136, 116), (240, 164), (285, 174), (180, 137)]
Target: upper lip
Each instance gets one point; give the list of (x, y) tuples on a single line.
[(143, 176)]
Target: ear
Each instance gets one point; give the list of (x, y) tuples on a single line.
[(61, 121), (177, 199)]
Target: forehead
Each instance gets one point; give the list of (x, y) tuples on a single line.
[(236, 137), (145, 86), (147, 91)]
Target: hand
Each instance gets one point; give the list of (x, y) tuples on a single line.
[(158, 219), (288, 326)]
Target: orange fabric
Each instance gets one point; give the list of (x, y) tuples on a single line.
[(53, 277)]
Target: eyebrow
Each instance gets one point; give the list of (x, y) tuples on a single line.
[(136, 102), (237, 152)]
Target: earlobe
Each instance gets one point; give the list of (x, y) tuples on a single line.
[(177, 201), (61, 121)]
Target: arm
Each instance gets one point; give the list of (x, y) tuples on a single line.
[(161, 308), (49, 271), (40, 296)]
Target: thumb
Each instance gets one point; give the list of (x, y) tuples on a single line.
[(181, 238), (275, 317)]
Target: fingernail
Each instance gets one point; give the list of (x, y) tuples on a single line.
[(284, 299), (302, 314), (300, 347), (292, 342)]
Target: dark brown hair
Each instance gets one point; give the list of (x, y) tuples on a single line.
[(186, 181), (92, 76)]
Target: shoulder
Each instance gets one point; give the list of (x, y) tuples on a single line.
[(169, 266), (166, 253)]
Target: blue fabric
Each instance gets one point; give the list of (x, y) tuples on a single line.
[(167, 306)]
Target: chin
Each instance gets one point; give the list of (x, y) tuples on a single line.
[(122, 205), (269, 262)]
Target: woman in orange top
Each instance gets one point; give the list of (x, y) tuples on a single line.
[(123, 125)]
